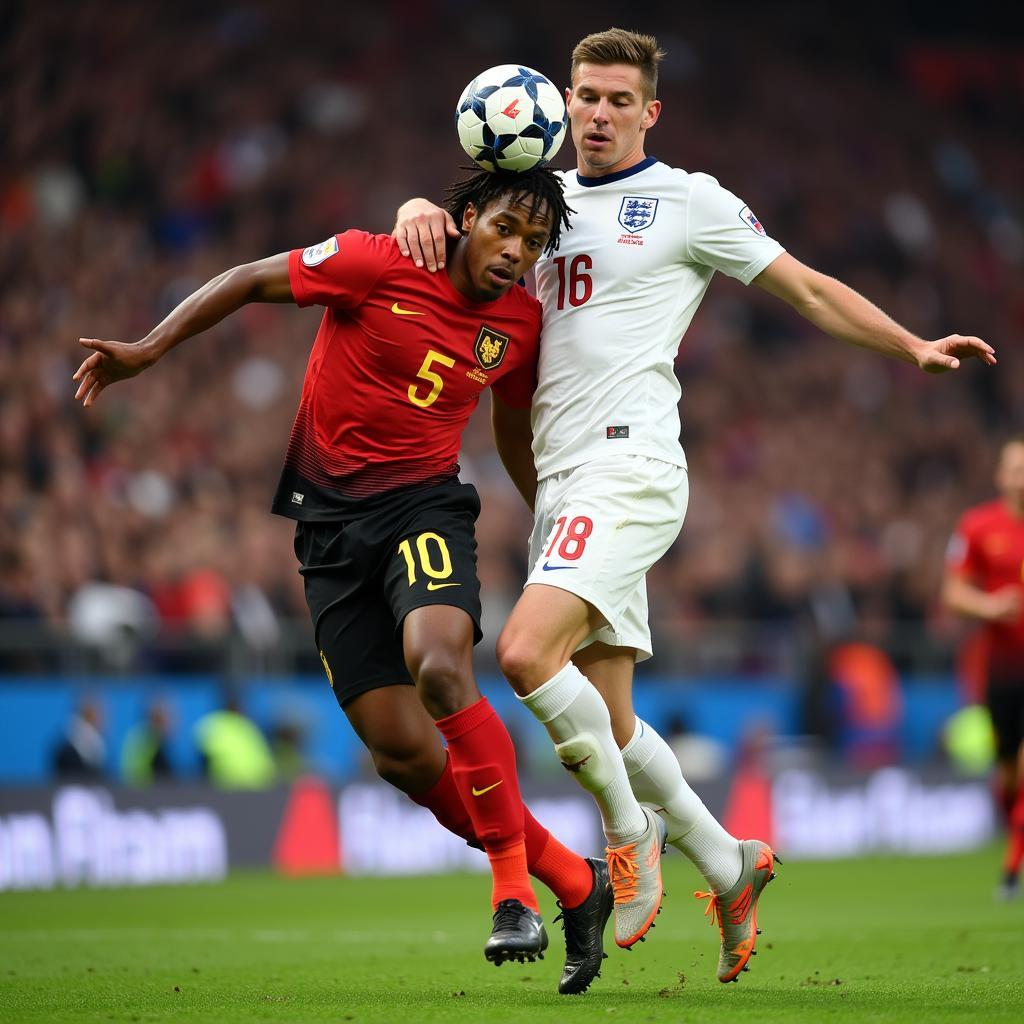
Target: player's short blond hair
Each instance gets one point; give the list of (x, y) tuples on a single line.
[(618, 46)]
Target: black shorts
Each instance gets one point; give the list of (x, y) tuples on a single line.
[(362, 577), (1006, 706)]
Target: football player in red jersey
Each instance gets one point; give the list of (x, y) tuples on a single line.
[(985, 581), (385, 531)]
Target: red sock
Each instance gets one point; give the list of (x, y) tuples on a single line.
[(444, 802), (1015, 839), (483, 763), (1005, 799), (564, 872)]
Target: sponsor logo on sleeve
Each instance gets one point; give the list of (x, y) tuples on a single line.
[(614, 433), (314, 255), (748, 218)]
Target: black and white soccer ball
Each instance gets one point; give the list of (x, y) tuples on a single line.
[(510, 118)]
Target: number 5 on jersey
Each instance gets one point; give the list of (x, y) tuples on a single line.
[(425, 373)]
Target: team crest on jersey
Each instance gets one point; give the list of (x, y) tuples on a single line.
[(637, 213), (748, 218), (314, 255), (490, 347)]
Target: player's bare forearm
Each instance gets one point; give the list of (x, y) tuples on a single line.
[(264, 281), (964, 598), (845, 314), (513, 438)]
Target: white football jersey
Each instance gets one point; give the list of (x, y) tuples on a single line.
[(618, 296)]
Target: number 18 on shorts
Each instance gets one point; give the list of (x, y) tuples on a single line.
[(600, 527)]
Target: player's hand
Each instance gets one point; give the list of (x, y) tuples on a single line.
[(421, 229), (1005, 605), (945, 354), (110, 361)]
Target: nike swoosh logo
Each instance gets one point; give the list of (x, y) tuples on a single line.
[(440, 586), (552, 568), (486, 789), (398, 311)]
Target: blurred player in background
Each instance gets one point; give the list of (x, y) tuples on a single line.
[(618, 296), (385, 530), (985, 581)]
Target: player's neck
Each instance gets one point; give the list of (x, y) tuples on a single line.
[(1015, 506), (634, 157), (458, 271)]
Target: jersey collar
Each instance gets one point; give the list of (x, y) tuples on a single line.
[(618, 175)]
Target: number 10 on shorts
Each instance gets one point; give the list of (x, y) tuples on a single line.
[(573, 537), (424, 542)]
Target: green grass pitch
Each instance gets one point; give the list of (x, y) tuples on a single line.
[(871, 940)]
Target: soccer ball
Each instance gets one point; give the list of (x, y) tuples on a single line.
[(510, 118)]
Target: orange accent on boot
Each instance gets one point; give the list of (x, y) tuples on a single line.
[(511, 879), (740, 907), (623, 871), (624, 875), (712, 908)]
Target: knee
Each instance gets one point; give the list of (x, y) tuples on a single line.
[(518, 661), (403, 768), (444, 678)]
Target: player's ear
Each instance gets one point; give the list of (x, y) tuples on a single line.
[(651, 114), (468, 218)]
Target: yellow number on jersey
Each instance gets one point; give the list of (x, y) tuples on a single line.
[(427, 374)]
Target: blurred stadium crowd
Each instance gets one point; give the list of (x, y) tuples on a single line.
[(148, 147)]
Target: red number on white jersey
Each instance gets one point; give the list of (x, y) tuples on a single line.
[(580, 284)]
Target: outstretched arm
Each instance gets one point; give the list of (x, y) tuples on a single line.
[(264, 281), (513, 437), (420, 230), (963, 597), (848, 316)]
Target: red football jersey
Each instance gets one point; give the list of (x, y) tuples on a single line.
[(397, 367), (988, 551)]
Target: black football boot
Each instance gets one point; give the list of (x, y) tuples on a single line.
[(517, 934), (584, 933)]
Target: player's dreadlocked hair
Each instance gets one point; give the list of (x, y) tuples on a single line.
[(541, 185)]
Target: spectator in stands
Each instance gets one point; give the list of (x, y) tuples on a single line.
[(114, 163), (234, 752), (144, 754), (81, 753)]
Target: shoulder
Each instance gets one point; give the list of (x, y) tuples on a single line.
[(981, 517), (349, 247), (356, 241), (704, 186), (519, 302), (677, 179)]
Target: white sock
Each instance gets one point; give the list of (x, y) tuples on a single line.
[(576, 718), (657, 779)]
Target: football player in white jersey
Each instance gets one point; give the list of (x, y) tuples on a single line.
[(611, 486)]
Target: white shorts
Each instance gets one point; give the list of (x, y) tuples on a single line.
[(598, 529)]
